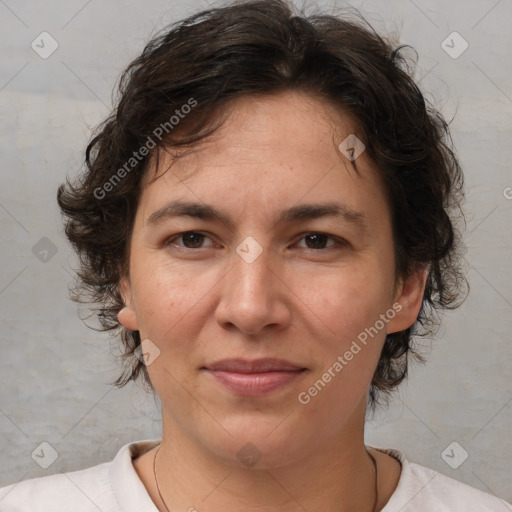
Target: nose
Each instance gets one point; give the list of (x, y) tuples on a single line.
[(254, 296)]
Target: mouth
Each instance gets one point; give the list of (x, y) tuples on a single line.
[(254, 378)]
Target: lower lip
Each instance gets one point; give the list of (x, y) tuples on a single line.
[(254, 384)]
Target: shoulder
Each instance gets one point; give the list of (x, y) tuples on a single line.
[(85, 490), (104, 487), (421, 489)]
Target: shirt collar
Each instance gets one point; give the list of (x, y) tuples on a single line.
[(132, 496), (128, 489)]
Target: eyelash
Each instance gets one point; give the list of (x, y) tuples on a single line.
[(339, 241)]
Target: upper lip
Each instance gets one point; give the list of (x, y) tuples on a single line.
[(254, 366)]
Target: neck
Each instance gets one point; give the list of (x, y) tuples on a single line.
[(338, 477)]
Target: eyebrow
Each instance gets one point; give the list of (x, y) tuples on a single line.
[(179, 208)]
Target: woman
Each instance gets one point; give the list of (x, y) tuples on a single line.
[(266, 219)]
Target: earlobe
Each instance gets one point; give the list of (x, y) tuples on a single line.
[(410, 297), (127, 316)]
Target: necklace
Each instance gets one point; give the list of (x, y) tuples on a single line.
[(374, 509), (375, 503), (156, 479)]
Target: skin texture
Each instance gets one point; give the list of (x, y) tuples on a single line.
[(199, 301)]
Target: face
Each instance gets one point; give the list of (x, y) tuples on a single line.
[(258, 263)]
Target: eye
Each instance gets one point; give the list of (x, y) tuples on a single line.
[(190, 239), (195, 239), (317, 241)]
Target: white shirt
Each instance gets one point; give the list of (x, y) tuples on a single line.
[(115, 487)]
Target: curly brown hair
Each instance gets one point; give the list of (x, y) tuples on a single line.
[(198, 65)]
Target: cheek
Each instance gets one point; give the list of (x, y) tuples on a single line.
[(345, 347), (166, 294), (172, 309), (346, 300)]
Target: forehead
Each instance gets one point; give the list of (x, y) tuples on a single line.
[(281, 148), (257, 126)]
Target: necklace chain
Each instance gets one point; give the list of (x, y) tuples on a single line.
[(374, 509), (156, 479)]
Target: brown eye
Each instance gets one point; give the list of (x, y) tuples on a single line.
[(190, 240), (317, 240)]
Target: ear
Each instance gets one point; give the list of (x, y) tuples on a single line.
[(408, 300), (127, 316)]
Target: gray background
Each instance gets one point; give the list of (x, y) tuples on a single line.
[(54, 371)]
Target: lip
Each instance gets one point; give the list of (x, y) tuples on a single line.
[(254, 377)]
